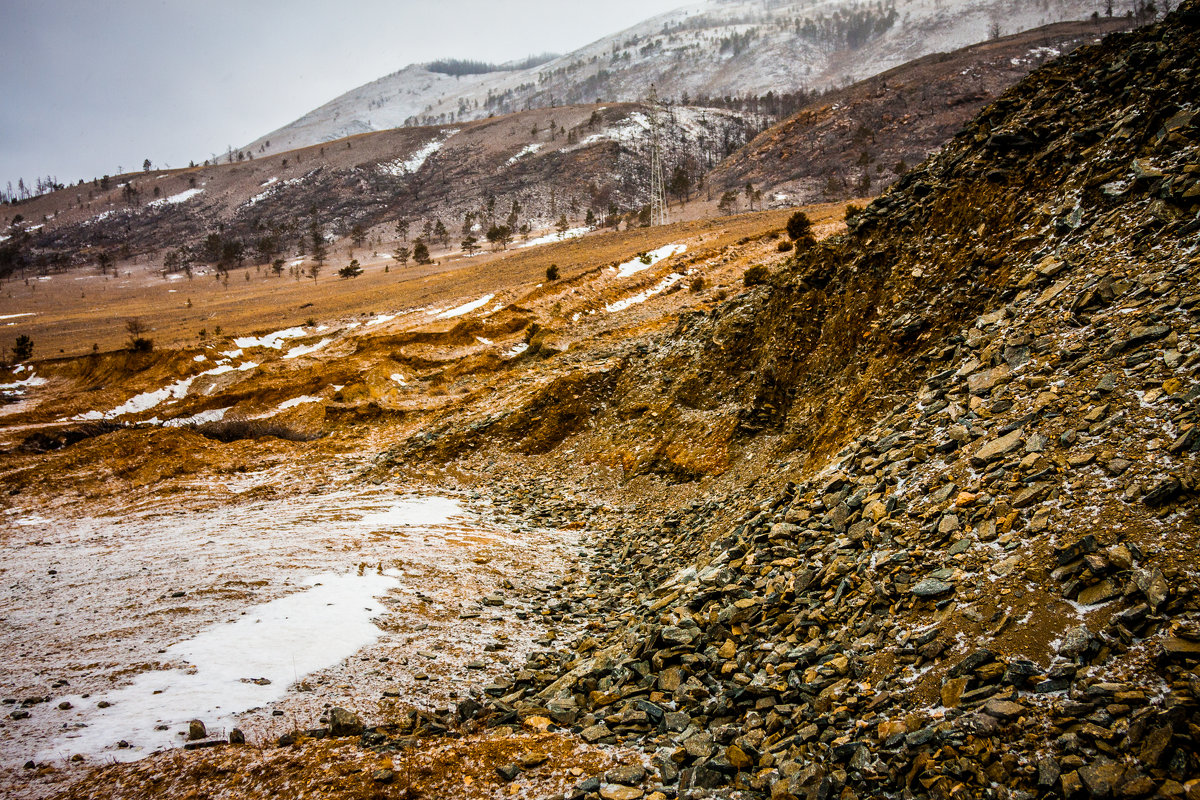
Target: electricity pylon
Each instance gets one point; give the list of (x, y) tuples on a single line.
[(658, 190)]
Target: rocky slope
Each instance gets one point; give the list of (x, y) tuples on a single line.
[(975, 577), (714, 49), (855, 142)]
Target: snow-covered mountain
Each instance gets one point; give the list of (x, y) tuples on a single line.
[(709, 49)]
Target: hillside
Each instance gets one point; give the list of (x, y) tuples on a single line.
[(857, 141), (587, 164), (710, 49), (906, 511)]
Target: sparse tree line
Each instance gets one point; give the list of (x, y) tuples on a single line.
[(850, 27), (458, 67), (24, 191)]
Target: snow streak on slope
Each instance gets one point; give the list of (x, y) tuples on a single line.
[(414, 162)]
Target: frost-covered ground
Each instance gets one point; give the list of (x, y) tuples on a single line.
[(255, 613)]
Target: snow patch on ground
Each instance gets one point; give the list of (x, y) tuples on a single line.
[(528, 150), (466, 308), (148, 400), (636, 265), (382, 318), (304, 350), (232, 667), (212, 415), (271, 186), (407, 166), (103, 215), (271, 340), (33, 380), (115, 578), (15, 316), (176, 199), (417, 512), (298, 401), (572, 233), (643, 296)]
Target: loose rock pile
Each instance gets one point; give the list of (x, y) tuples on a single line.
[(991, 591)]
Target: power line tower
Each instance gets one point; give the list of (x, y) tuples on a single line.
[(658, 191)]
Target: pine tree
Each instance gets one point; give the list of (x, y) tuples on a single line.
[(319, 251)]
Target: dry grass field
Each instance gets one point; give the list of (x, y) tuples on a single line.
[(81, 310)]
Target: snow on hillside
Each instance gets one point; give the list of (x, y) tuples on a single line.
[(175, 199), (414, 162), (712, 48)]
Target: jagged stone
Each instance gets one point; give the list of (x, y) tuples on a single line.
[(996, 448), (931, 587), (344, 723), (1181, 649), (614, 791), (1101, 778)]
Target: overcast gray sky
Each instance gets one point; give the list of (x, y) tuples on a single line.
[(92, 85)]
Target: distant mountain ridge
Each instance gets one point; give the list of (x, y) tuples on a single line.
[(709, 49), (856, 141)]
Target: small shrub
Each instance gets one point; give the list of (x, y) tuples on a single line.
[(755, 276), (552, 273), (310, 322), (23, 348), (697, 284), (784, 246), (141, 345), (852, 211), (799, 227)]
